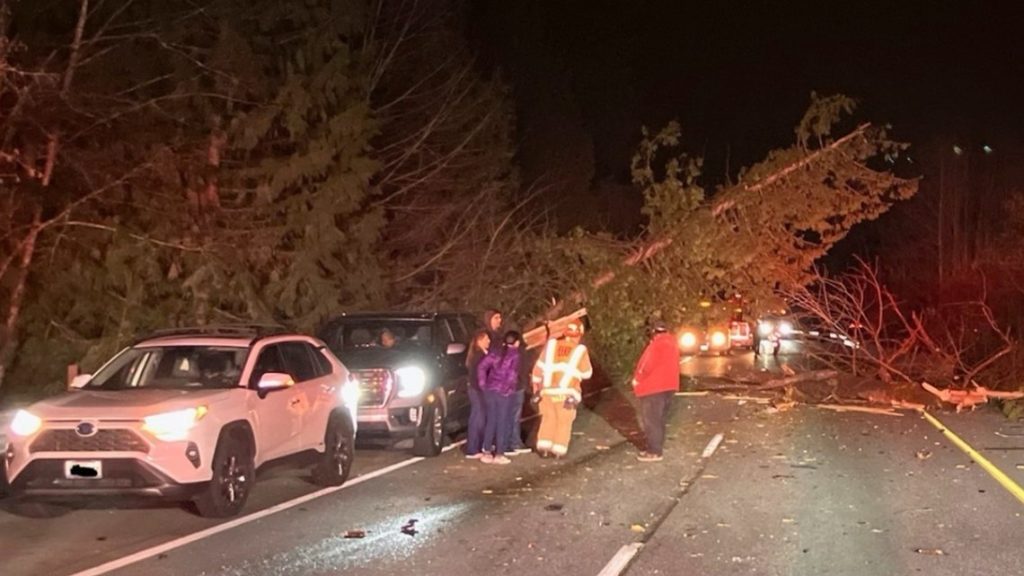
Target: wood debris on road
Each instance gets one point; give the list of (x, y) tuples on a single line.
[(865, 409), (969, 398)]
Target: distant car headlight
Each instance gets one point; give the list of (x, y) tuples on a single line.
[(765, 328), (171, 426), (350, 392), (688, 340), (785, 328), (25, 423), (412, 381), (718, 339)]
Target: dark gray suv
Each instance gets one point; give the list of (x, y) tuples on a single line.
[(411, 369)]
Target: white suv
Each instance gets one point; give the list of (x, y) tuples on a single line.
[(189, 415)]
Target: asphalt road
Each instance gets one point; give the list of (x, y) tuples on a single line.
[(798, 492)]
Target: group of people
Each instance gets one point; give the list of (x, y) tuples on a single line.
[(502, 372)]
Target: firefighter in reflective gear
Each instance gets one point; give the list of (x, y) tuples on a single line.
[(557, 382)]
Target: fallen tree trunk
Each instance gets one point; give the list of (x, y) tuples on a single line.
[(865, 409), (969, 398), (812, 376), (551, 329)]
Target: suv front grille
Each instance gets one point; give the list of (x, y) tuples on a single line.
[(374, 386), (113, 440)]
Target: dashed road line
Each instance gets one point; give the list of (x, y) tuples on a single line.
[(1005, 481), (625, 555), (621, 559), (712, 445)]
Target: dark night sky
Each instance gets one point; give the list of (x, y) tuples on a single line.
[(739, 74)]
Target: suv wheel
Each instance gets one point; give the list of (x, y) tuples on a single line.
[(430, 436), (233, 476), (335, 464)]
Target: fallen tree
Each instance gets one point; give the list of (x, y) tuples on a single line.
[(763, 232)]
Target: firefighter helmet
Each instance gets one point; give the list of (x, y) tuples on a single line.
[(574, 328)]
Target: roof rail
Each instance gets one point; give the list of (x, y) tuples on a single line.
[(247, 330)]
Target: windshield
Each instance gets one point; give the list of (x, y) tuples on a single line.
[(381, 334), (173, 367)]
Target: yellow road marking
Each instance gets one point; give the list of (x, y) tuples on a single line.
[(993, 470)]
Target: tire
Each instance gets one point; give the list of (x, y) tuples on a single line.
[(233, 476), (335, 464), (431, 435)]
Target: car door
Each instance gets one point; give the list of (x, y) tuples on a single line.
[(300, 365), (274, 413), (323, 393), (454, 366)]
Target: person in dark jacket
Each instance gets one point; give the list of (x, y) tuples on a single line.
[(477, 411), (527, 360), (498, 375), (655, 382), (493, 322)]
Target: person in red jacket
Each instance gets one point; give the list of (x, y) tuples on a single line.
[(655, 382)]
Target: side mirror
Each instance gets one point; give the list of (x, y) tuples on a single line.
[(79, 381), (455, 348), (273, 381)]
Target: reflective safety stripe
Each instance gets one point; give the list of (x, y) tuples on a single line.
[(560, 449), (562, 392), (544, 443), (572, 367), (549, 359), (569, 371)]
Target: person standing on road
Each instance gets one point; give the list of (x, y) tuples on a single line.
[(558, 381), (655, 382), (526, 363), (477, 411), (497, 374), (757, 338)]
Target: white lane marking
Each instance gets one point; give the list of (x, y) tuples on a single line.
[(625, 555), (196, 536), (618, 563), (712, 445)]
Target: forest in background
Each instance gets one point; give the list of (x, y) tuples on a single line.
[(182, 163)]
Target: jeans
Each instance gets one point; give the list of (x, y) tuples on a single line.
[(653, 414), (515, 439), (499, 412), (477, 420)]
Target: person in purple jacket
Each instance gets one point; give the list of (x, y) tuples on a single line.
[(477, 411), (498, 374)]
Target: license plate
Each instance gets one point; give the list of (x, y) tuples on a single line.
[(84, 469)]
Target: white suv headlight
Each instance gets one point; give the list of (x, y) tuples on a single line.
[(171, 426), (412, 381), (25, 423), (350, 392)]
